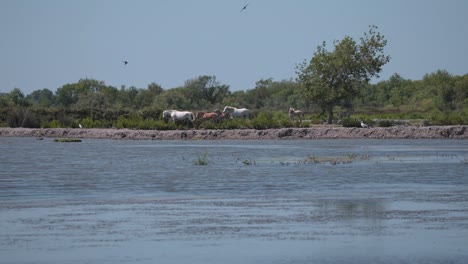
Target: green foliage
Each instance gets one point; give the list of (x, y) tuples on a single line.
[(351, 122), (202, 159), (206, 89), (44, 98), (451, 118), (385, 123), (236, 123), (265, 120), (67, 140), (89, 122), (17, 97), (333, 78), (130, 121), (52, 124), (438, 99), (20, 117)]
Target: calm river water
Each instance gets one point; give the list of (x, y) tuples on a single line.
[(314, 201)]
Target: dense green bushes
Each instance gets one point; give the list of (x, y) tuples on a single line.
[(152, 120), (452, 118), (263, 120), (438, 99), (22, 117)]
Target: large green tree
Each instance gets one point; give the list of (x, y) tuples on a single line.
[(334, 78), (206, 89), (17, 97), (44, 97)]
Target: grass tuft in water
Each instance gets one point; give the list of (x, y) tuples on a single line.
[(202, 159), (249, 162), (350, 158), (65, 140)]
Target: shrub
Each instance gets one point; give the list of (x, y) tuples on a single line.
[(305, 124), (452, 118), (130, 121), (351, 122), (385, 123), (22, 118), (88, 122), (236, 123), (264, 120), (54, 124)]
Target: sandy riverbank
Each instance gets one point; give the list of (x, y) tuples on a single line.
[(319, 132)]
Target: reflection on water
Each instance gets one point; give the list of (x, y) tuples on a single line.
[(141, 201)]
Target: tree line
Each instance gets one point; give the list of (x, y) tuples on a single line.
[(333, 87)]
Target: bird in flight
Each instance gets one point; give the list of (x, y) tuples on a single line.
[(125, 62), (245, 7)]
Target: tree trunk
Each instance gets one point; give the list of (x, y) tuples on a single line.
[(330, 115)]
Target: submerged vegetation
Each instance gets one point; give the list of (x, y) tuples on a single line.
[(201, 159), (67, 140), (350, 158)]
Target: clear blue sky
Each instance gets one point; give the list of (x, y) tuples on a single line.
[(49, 43)]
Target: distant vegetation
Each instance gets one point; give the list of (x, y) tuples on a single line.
[(438, 99), (332, 88)]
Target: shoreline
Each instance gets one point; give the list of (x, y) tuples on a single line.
[(315, 132)]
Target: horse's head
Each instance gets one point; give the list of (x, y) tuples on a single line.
[(291, 110), (229, 109), (225, 115), (200, 115), (167, 113)]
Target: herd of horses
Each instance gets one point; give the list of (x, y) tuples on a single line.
[(217, 116)]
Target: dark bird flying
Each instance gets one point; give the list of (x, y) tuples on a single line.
[(125, 62), (245, 7)]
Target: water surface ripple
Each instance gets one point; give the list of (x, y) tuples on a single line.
[(295, 201)]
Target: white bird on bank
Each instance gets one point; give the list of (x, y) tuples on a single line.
[(80, 125), (363, 125)]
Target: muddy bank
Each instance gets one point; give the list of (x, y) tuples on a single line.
[(319, 132)]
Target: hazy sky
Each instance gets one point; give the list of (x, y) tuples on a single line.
[(49, 43)]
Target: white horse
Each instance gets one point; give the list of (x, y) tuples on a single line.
[(237, 112), (293, 113), (178, 115), (167, 113)]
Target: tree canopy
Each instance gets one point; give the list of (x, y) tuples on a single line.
[(333, 78)]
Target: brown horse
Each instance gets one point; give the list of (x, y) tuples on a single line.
[(208, 116), (293, 113), (199, 115), (223, 116)]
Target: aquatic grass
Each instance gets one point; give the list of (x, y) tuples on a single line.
[(66, 140), (312, 159), (202, 159), (350, 158), (249, 162)]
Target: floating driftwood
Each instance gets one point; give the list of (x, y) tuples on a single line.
[(67, 140)]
